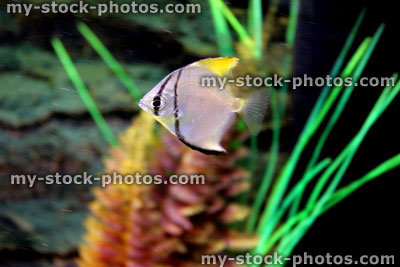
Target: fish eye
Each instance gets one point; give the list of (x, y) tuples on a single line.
[(158, 103)]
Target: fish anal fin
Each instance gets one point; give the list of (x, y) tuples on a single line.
[(219, 151)]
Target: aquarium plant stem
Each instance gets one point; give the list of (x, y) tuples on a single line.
[(336, 114), (344, 192), (365, 50), (293, 18), (113, 64), (236, 25), (336, 198), (279, 98), (336, 67), (290, 38), (291, 196), (335, 71), (340, 107), (302, 142), (222, 32), (264, 226), (346, 156), (270, 169), (330, 197), (255, 26), (83, 92), (356, 77)]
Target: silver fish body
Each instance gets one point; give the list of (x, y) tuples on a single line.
[(198, 115)]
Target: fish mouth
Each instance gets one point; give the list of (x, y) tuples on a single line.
[(141, 104)]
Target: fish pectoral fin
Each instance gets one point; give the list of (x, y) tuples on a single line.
[(220, 65)]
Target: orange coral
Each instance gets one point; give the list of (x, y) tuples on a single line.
[(164, 225)]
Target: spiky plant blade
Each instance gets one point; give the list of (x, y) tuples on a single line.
[(256, 26), (356, 76), (335, 116), (343, 161), (293, 17), (365, 50), (290, 37), (271, 166), (108, 58), (341, 194), (83, 92), (344, 192), (222, 33), (266, 226), (236, 25)]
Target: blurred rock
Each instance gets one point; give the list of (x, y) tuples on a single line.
[(42, 88), (36, 225), (66, 147)]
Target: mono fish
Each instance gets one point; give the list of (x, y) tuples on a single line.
[(198, 115)]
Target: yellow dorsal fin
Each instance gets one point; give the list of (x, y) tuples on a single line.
[(220, 65)]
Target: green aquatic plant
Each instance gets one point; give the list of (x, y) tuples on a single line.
[(277, 215), (255, 25), (234, 22), (110, 61), (304, 138), (266, 224), (222, 33), (167, 224), (278, 98), (83, 92), (272, 195), (77, 81), (253, 36)]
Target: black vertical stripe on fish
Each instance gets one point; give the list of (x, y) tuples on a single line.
[(176, 108), (161, 90), (177, 125)]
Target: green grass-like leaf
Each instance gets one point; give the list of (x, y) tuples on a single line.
[(275, 207), (335, 116), (110, 60), (271, 166), (344, 192), (267, 224), (83, 92), (293, 17), (236, 25), (255, 26), (342, 162), (222, 32)]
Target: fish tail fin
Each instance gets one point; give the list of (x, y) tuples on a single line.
[(253, 109)]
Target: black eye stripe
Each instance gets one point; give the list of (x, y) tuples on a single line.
[(161, 90), (157, 104)]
